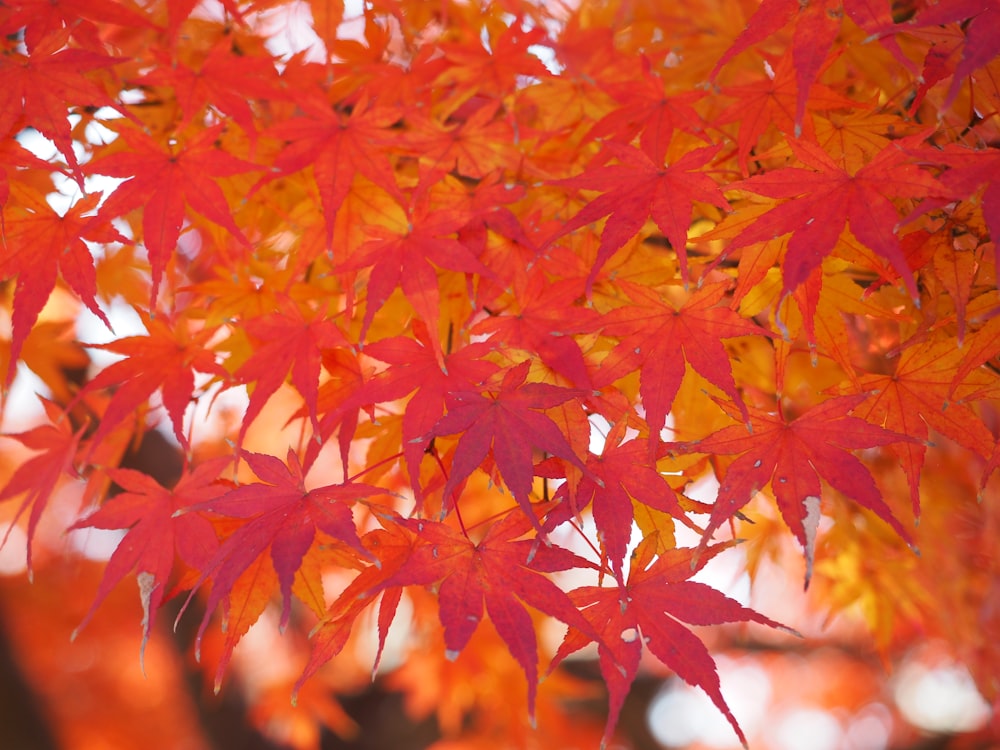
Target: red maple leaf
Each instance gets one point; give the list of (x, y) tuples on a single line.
[(472, 147), (980, 21), (415, 368), (165, 178), (507, 418), (36, 478), (968, 170), (645, 612), (920, 394), (44, 85), (337, 142), (792, 456), (286, 341), (816, 25), (658, 338), (644, 109), (404, 261), (392, 547), (826, 197), (491, 69), (499, 572), (546, 316), (487, 208), (15, 163), (225, 80), (638, 188), (40, 244), (338, 403), (165, 360), (78, 19), (281, 516), (620, 474), (772, 101), (158, 529)]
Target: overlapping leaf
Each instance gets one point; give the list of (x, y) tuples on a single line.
[(415, 368), (793, 456), (499, 573), (166, 178), (825, 198), (281, 517), (404, 261), (657, 338), (546, 318), (41, 86), (286, 342), (508, 420), (639, 188), (337, 143), (917, 396), (413, 160), (621, 474), (39, 244), (647, 612), (37, 477), (158, 531), (166, 361)]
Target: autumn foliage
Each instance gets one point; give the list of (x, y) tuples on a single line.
[(465, 305)]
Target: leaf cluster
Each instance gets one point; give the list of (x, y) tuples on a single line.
[(500, 284)]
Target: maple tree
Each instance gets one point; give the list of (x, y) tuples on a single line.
[(498, 289)]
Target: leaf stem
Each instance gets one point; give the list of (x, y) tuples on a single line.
[(375, 465)]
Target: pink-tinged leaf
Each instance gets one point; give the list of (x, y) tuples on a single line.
[(414, 368), (507, 419), (545, 314), (980, 21), (647, 611)]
